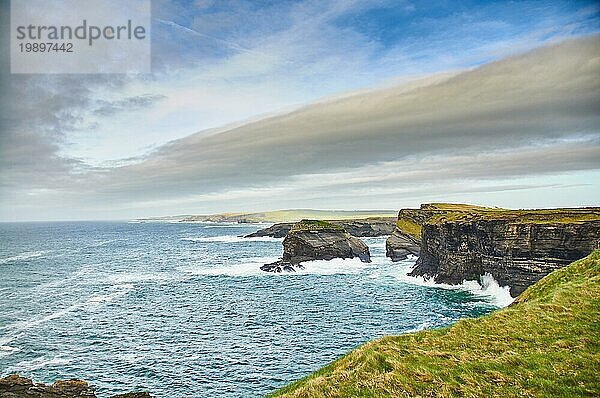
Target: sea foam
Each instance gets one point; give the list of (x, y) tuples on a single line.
[(487, 286), (232, 239), (24, 256)]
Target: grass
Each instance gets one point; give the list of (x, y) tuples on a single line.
[(546, 344), (315, 225), (409, 227), (520, 216)]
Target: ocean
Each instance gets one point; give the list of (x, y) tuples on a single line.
[(183, 310)]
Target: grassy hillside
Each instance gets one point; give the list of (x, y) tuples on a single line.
[(546, 344)]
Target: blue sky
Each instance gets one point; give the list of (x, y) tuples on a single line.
[(221, 64)]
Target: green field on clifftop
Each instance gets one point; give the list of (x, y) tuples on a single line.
[(458, 213), (546, 344)]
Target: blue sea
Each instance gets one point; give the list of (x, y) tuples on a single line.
[(183, 310)]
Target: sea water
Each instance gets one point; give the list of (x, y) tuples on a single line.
[(183, 309)]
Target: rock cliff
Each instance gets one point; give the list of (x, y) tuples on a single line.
[(400, 245), (517, 247), (368, 227), (317, 240), (406, 237), (15, 386)]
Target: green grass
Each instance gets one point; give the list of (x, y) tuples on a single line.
[(315, 225), (519, 216), (409, 227), (546, 344)]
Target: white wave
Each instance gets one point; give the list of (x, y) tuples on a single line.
[(15, 330), (133, 277), (487, 287), (24, 256), (422, 326), (102, 243), (232, 239), (233, 225), (246, 267), (375, 242), (251, 267), (490, 287), (37, 363), (337, 266), (7, 350), (130, 357), (116, 291)]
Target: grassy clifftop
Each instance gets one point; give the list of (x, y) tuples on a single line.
[(546, 344), (315, 225), (410, 220), (521, 216)]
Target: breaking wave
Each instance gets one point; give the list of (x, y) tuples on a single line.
[(232, 239), (487, 286), (24, 256)]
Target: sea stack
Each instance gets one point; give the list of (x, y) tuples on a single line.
[(317, 240)]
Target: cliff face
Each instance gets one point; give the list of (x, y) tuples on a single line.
[(317, 240), (400, 245), (405, 240), (517, 252), (15, 386)]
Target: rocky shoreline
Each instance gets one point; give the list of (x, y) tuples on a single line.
[(453, 242), (15, 386)]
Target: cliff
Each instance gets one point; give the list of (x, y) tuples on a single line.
[(317, 240), (517, 247), (406, 237), (543, 345), (15, 386), (367, 227)]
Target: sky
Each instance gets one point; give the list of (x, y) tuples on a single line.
[(330, 104)]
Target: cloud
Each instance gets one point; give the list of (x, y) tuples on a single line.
[(104, 142), (107, 108), (549, 95), (534, 115)]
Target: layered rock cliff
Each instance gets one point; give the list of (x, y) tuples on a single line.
[(517, 247), (15, 386), (317, 240), (406, 237), (368, 227)]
